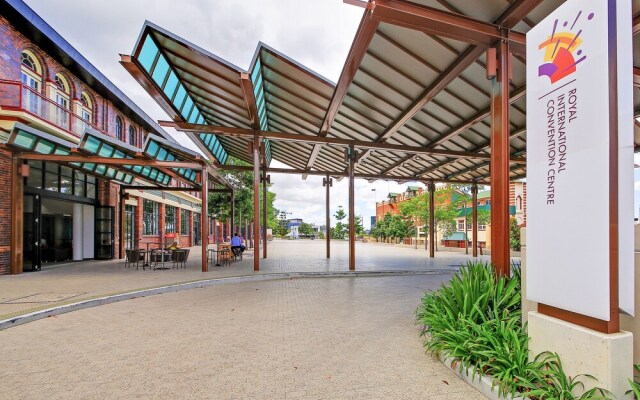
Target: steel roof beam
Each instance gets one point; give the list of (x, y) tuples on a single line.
[(453, 25), (364, 35), (136, 71), (509, 18), (293, 137), (250, 100), (514, 134), (342, 174)]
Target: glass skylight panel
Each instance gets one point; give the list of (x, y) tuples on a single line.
[(186, 108), (180, 95), (160, 71), (195, 115), (148, 53), (171, 85)]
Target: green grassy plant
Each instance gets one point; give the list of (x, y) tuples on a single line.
[(476, 320)]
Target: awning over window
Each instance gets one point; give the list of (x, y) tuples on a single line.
[(95, 145)]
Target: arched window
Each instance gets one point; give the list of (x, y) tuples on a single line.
[(132, 135), (61, 83), (85, 107), (31, 77), (119, 132), (61, 91), (519, 202)]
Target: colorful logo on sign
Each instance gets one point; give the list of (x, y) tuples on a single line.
[(562, 51)]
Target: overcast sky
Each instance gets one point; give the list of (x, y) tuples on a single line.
[(317, 34)]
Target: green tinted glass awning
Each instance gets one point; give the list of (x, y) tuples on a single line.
[(93, 144), (32, 140), (98, 144), (161, 150), (176, 89)]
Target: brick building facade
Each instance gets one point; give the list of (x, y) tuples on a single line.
[(47, 85), (517, 209)]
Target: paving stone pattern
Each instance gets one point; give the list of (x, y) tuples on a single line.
[(313, 338), (55, 285)]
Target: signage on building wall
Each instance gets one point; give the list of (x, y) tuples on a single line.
[(568, 142)]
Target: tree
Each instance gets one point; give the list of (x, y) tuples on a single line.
[(359, 227), (417, 210), (340, 229), (242, 183), (306, 229), (514, 234)]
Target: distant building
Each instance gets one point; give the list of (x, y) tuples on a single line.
[(517, 209)]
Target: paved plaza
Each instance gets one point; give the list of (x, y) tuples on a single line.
[(64, 284), (312, 338)]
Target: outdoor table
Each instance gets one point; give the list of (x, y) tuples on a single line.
[(163, 255), (146, 256), (224, 252), (213, 254)]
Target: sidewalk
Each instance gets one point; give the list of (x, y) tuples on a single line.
[(64, 284)]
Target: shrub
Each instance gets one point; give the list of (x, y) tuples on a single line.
[(476, 320)]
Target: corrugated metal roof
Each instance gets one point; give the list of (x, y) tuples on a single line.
[(409, 88)]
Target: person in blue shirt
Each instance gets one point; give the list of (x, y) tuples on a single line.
[(236, 243)]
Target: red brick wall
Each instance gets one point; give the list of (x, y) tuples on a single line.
[(5, 211), (12, 43)]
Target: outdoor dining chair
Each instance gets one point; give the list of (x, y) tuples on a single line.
[(133, 256), (179, 257)]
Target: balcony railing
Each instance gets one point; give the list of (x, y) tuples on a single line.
[(17, 96)]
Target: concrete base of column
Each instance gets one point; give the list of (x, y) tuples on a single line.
[(609, 358)]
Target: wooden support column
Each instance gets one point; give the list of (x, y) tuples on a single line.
[(432, 220), (352, 218), (121, 219), (17, 215), (474, 215), (500, 254), (265, 179), (256, 202), (328, 182), (204, 216), (233, 212)]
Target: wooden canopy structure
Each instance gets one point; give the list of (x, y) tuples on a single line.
[(431, 91)]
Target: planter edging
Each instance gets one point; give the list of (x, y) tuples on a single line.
[(481, 383)]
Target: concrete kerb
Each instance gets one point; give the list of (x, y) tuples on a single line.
[(80, 305)]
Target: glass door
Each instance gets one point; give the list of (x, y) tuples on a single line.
[(197, 237), (129, 227), (104, 233), (31, 240)]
